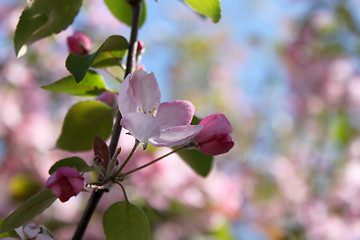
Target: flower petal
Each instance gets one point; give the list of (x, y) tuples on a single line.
[(175, 113), (174, 136), (215, 125), (77, 185), (126, 101), (141, 126), (146, 90), (219, 146)]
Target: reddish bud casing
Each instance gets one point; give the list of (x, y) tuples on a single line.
[(79, 43), (215, 138), (65, 182)]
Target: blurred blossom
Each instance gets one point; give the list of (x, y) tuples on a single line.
[(79, 43), (291, 183), (324, 20)]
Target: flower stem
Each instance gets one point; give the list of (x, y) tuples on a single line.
[(129, 157), (94, 199), (152, 162)]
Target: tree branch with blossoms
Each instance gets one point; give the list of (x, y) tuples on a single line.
[(138, 110)]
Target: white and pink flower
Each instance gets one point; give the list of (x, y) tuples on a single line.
[(148, 120)]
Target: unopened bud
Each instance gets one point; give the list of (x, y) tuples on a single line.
[(140, 48), (79, 43), (65, 182), (214, 138), (108, 98)]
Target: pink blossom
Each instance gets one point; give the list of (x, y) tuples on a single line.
[(79, 43), (108, 98), (65, 182), (215, 138), (165, 124)]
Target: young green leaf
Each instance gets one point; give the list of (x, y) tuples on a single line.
[(110, 53), (198, 161), (11, 233), (92, 85), (74, 162), (28, 210), (41, 18), (123, 12), (123, 220), (84, 121), (210, 8)]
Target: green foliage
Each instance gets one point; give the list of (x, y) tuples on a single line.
[(340, 129), (345, 15), (125, 221), (121, 9), (265, 188), (210, 8), (41, 18), (22, 186), (224, 233), (74, 162), (83, 122), (91, 85), (7, 234), (28, 210), (110, 53), (198, 161)]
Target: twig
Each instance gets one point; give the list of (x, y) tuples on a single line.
[(96, 195)]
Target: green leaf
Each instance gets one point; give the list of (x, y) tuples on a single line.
[(9, 233), (345, 15), (28, 210), (74, 162), (83, 122), (125, 221), (110, 53), (198, 161), (123, 12), (223, 233), (210, 8), (92, 85), (41, 18)]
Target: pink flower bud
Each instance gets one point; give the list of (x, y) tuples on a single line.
[(65, 182), (79, 43), (108, 98), (140, 48), (215, 136)]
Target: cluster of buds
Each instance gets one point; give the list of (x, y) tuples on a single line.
[(32, 232), (106, 166)]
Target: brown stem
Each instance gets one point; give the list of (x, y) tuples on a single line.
[(97, 194), (152, 162)]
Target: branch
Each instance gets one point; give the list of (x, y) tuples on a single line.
[(97, 194)]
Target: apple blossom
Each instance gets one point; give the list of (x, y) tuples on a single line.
[(33, 231), (79, 43), (215, 138), (65, 182), (166, 124)]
